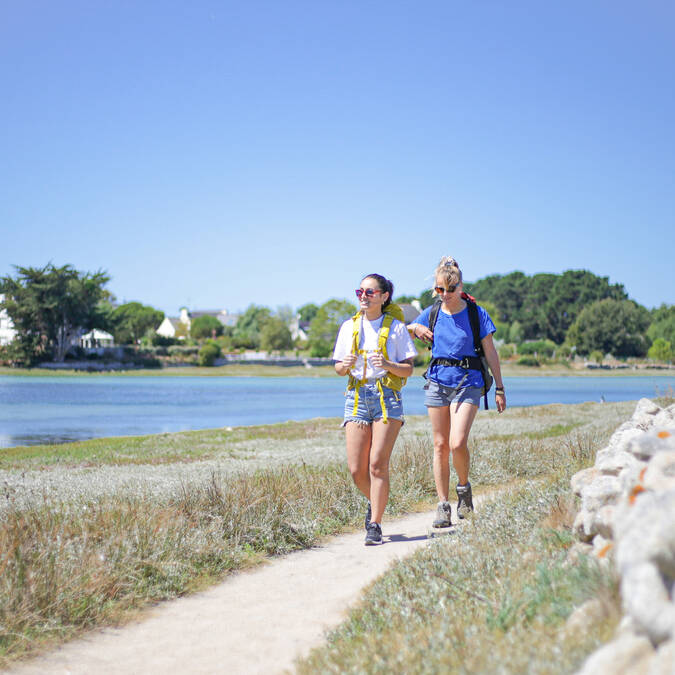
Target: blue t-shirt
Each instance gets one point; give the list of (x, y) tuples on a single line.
[(453, 339)]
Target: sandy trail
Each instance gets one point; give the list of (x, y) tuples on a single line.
[(257, 621)]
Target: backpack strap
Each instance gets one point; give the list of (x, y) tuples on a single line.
[(382, 336)]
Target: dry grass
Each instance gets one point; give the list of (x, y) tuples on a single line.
[(492, 599), (87, 560)]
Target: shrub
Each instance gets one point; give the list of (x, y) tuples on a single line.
[(506, 351), (661, 350), (596, 355), (209, 353), (528, 361), (538, 348)]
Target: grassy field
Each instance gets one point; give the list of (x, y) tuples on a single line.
[(90, 532)]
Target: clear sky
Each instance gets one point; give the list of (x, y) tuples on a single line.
[(217, 154)]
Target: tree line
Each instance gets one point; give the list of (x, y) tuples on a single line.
[(575, 311)]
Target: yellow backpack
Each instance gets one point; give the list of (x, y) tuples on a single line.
[(391, 311)]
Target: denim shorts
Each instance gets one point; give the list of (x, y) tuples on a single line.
[(437, 395), (370, 407)]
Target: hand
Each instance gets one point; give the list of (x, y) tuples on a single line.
[(377, 360), (423, 333), (500, 400), (349, 361)]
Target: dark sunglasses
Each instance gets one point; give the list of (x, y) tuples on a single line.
[(370, 292), (440, 290)]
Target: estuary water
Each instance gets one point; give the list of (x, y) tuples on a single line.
[(56, 409)]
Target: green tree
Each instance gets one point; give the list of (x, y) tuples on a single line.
[(249, 326), (573, 292), (545, 305), (325, 325), (427, 298), (205, 326), (663, 324), (661, 351), (516, 333), (502, 332), (275, 335), (49, 305), (611, 326), (132, 321), (307, 312)]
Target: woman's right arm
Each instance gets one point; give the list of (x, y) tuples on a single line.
[(345, 365)]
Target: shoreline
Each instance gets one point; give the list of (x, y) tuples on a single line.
[(257, 370)]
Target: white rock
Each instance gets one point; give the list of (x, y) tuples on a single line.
[(646, 599), (583, 478), (663, 662), (626, 655), (652, 443), (660, 473)]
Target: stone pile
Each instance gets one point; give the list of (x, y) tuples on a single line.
[(627, 518)]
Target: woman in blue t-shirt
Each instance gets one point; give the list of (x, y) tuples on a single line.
[(453, 393)]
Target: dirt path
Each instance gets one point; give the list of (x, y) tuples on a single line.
[(258, 621)]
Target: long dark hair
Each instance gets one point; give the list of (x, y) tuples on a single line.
[(385, 285)]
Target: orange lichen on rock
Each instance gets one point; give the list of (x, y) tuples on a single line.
[(605, 550), (663, 434), (634, 493)]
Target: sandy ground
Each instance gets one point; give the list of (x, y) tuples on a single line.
[(258, 621)]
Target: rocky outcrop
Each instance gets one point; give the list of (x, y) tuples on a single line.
[(627, 518)]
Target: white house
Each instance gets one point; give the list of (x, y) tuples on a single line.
[(170, 325), (7, 332), (96, 338)]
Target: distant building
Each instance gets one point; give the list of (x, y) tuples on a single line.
[(170, 325), (298, 328), (96, 338), (7, 332), (411, 310)]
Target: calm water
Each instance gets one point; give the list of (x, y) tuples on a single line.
[(58, 409)]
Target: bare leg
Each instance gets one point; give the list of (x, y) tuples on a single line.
[(358, 438), (440, 429), (384, 437), (461, 419)]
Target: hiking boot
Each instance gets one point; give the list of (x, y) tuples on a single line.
[(464, 501), (373, 535), (443, 513), (369, 514)]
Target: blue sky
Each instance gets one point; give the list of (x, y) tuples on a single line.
[(217, 154)]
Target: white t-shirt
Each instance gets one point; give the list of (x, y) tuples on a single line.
[(399, 345)]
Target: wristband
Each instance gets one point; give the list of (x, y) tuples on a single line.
[(499, 390)]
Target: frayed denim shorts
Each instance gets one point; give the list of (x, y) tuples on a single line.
[(437, 395), (370, 406)]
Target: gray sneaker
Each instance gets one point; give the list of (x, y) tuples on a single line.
[(464, 501), (443, 513), (373, 535)]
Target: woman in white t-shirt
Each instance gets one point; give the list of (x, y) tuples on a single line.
[(373, 408)]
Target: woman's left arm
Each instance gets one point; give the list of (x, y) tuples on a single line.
[(493, 361)]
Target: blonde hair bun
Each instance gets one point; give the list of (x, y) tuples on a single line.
[(448, 261)]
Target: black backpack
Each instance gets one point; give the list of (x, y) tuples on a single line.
[(467, 362)]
